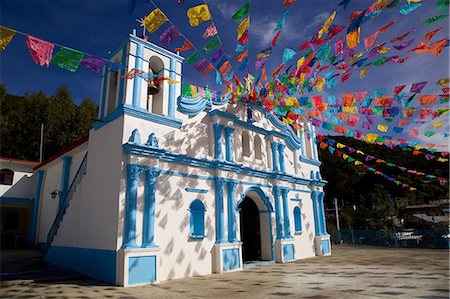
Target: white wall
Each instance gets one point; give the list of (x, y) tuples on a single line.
[(22, 185)]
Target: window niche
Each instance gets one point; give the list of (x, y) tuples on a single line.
[(155, 92), (197, 220), (258, 147), (297, 220), (246, 152)]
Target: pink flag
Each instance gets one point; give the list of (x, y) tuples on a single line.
[(370, 40), (210, 31), (398, 89), (413, 132), (339, 47), (40, 50)]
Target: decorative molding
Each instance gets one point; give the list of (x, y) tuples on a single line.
[(195, 190)]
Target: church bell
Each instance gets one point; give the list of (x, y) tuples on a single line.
[(152, 88)]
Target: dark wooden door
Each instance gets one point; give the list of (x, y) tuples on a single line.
[(250, 230)]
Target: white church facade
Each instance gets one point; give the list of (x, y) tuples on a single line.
[(168, 187)]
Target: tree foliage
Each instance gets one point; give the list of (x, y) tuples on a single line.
[(363, 195), (21, 118)]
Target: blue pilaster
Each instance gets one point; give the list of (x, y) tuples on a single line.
[(148, 225), (129, 238), (229, 144), (231, 189), (278, 223), (122, 81), (315, 211), (64, 186), (281, 148), (138, 81), (220, 218), (322, 212), (274, 156), (37, 197), (314, 144), (287, 225), (104, 87), (172, 90), (218, 141)]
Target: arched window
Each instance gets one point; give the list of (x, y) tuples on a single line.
[(197, 221), (245, 144), (298, 219), (156, 99), (258, 149), (6, 176)]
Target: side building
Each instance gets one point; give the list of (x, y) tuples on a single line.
[(168, 187)]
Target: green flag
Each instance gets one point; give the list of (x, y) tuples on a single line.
[(242, 12), (212, 44), (429, 133), (434, 19), (193, 57), (442, 4)]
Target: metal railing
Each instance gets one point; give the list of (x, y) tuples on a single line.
[(438, 239), (65, 202)]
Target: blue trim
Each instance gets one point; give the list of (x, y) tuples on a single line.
[(145, 115), (274, 146), (148, 224), (297, 219), (281, 148), (231, 192), (141, 269), (97, 263), (137, 83), (195, 190), (105, 76), (310, 161), (322, 212), (296, 199), (220, 218), (37, 198), (197, 220), (288, 252), (122, 81), (278, 219), (314, 196), (326, 246), (191, 106), (171, 104), (64, 184), (229, 144), (231, 259), (129, 238), (218, 141), (286, 221), (5, 199), (164, 155), (156, 48)]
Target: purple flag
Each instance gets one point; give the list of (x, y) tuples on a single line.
[(351, 149), (417, 87), (348, 53), (169, 35), (316, 123), (93, 63), (429, 157), (404, 45), (259, 63), (217, 55), (201, 65), (369, 157)]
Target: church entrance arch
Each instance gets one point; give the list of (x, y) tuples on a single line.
[(255, 226)]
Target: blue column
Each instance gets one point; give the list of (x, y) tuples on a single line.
[(37, 197), (102, 109), (65, 173), (218, 141), (229, 144), (138, 81), (129, 234), (231, 189), (220, 220), (148, 225), (274, 156), (316, 214), (313, 143), (287, 226), (279, 225), (322, 211), (172, 75), (281, 148)]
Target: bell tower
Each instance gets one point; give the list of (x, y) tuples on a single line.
[(146, 96)]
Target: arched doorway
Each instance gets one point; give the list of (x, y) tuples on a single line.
[(250, 230), (255, 221)]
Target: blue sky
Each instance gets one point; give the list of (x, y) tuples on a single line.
[(97, 27)]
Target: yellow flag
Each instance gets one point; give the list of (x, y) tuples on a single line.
[(443, 82), (409, 1), (242, 27), (172, 81), (383, 50), (438, 124), (350, 109), (194, 91), (154, 20), (320, 83), (326, 25), (300, 62), (360, 152), (340, 145), (412, 189), (383, 3), (198, 14), (382, 128), (345, 156), (358, 162), (418, 147), (363, 72), (353, 38), (442, 159), (370, 137), (291, 102), (354, 57), (6, 36)]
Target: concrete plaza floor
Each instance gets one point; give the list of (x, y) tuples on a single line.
[(351, 272)]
